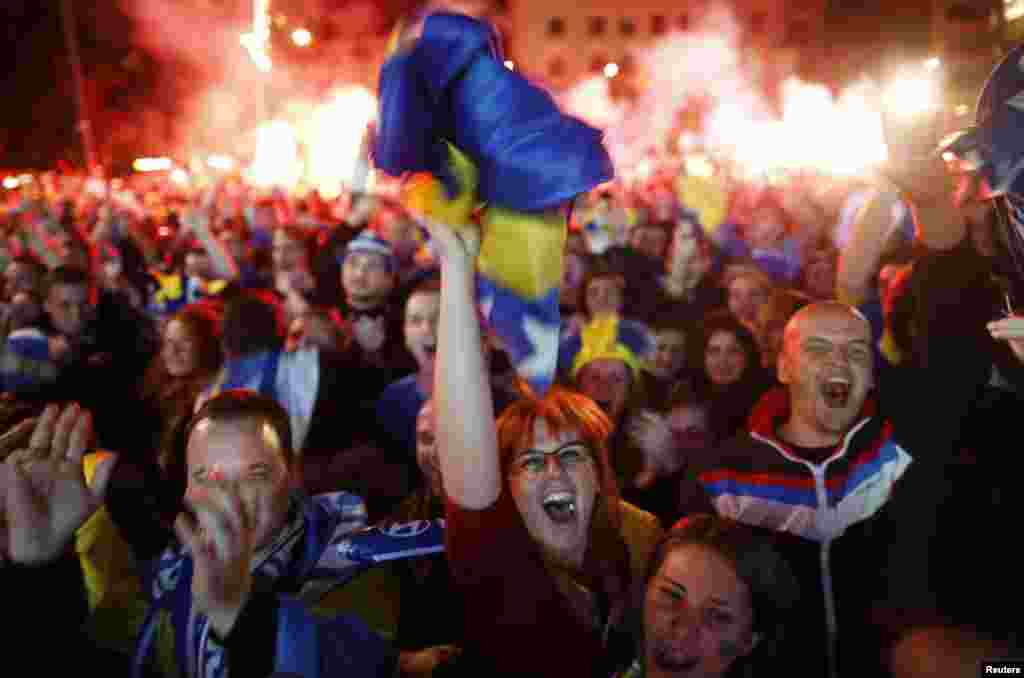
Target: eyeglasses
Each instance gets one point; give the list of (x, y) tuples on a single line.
[(568, 456)]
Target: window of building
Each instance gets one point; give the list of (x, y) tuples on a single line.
[(627, 26), (597, 25), (658, 24), (556, 26), (556, 68), (1013, 9), (683, 21), (798, 33), (758, 22)]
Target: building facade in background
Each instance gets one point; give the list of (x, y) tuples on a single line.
[(970, 37), (560, 42)]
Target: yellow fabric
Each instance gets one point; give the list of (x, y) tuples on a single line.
[(116, 601), (523, 251), (600, 341), (169, 287), (889, 349), (641, 532), (707, 196), (424, 194)]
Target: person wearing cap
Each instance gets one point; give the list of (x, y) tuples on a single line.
[(374, 315), (368, 278)]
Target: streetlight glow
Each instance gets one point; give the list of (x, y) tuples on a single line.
[(302, 37)]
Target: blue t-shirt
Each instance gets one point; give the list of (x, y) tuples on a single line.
[(397, 408)]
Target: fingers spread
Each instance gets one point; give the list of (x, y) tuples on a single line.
[(222, 520)]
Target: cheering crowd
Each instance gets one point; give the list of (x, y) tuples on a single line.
[(254, 433)]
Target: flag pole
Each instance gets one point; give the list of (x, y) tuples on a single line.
[(84, 123)]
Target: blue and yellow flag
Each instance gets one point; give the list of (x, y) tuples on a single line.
[(482, 143)]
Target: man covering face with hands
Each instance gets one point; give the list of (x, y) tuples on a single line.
[(254, 556)]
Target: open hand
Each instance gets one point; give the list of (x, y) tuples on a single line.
[(43, 491), (651, 433)]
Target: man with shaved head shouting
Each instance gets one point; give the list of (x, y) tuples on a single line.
[(816, 469)]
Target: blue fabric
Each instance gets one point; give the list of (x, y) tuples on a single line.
[(25, 362), (341, 646), (1000, 119), (308, 644), (453, 86), (397, 408), (529, 329), (781, 265)]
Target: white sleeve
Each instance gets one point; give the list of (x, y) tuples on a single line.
[(298, 381)]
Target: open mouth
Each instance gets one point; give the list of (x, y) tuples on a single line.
[(560, 507), (429, 350), (836, 392)]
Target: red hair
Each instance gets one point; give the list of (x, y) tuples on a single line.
[(561, 410)]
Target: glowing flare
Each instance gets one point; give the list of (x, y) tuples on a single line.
[(152, 164), (302, 37), (276, 162), (223, 163), (333, 136), (11, 183), (911, 95)]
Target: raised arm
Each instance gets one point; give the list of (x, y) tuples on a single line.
[(859, 260), (467, 437)]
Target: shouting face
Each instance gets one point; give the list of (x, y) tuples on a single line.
[(554, 483), (422, 312), (827, 364)]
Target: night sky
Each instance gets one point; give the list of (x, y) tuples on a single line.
[(38, 115)]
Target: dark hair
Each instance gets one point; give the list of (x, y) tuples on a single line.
[(773, 587), (600, 268), (429, 285), (65, 275), (251, 324), (241, 404), (202, 324), (724, 321)]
